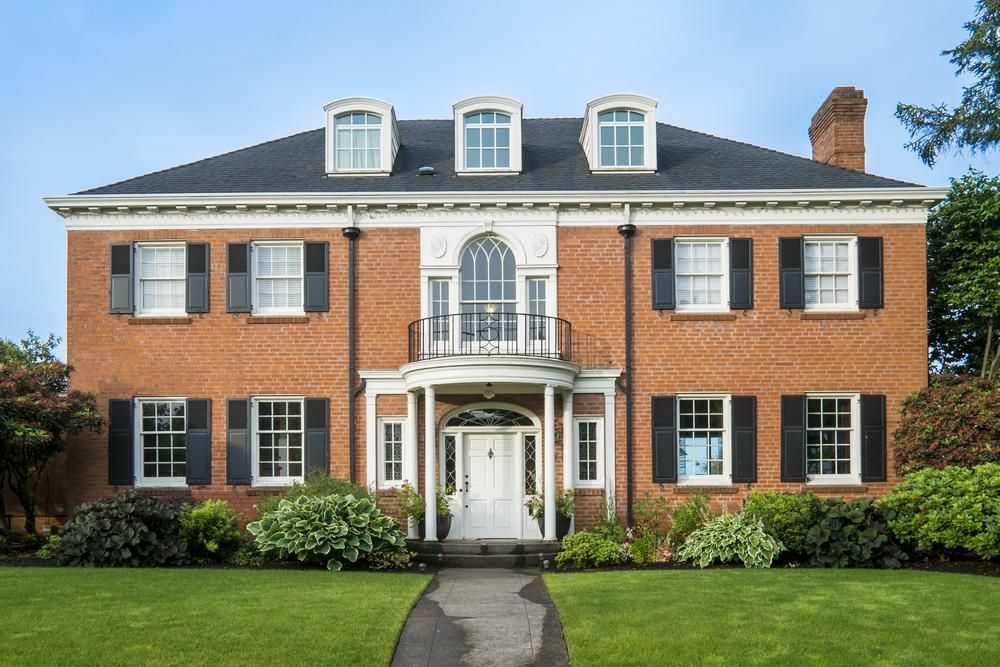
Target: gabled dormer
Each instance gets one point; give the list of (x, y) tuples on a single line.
[(619, 133), (361, 136), (488, 135)]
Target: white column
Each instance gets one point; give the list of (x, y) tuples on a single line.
[(430, 475), (550, 463), (411, 454), (568, 454), (609, 444)]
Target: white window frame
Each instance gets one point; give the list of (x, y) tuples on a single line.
[(355, 130), (254, 292), (726, 478), (839, 480), (381, 423), (723, 306), (141, 481), (599, 481), (852, 278), (255, 479), (487, 104), (140, 309), (590, 131), (388, 140)]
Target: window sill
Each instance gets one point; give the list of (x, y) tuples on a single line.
[(160, 320), (818, 487), (832, 315), (278, 319), (622, 170), (702, 317), (487, 172), (707, 488), (588, 485)]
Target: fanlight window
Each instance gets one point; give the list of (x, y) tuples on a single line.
[(490, 417)]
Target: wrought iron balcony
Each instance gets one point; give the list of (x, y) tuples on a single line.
[(490, 334)]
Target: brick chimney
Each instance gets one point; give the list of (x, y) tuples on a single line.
[(837, 130)]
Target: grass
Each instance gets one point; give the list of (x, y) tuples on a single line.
[(202, 617), (753, 617)]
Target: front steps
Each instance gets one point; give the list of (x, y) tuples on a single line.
[(485, 553)]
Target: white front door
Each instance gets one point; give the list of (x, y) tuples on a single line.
[(492, 508)]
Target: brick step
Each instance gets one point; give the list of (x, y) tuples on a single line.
[(483, 547), (505, 561)]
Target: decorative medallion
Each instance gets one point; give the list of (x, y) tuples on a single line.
[(539, 245), (438, 245)]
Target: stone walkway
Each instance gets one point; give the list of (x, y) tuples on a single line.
[(482, 617)]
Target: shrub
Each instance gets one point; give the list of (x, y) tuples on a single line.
[(852, 534), (248, 555), (588, 549), (316, 484), (50, 549), (953, 421), (787, 517), (728, 538), (328, 529), (689, 516), (954, 509), (652, 514), (125, 530), (390, 560), (211, 530), (649, 547)]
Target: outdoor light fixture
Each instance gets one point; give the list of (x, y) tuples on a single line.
[(488, 393), (491, 309)]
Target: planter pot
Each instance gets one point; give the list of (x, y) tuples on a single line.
[(562, 525), (443, 527)]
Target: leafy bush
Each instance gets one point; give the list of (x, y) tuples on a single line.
[(728, 538), (953, 421), (248, 555), (412, 504), (588, 549), (787, 517), (390, 560), (50, 549), (853, 534), (649, 546), (689, 516), (125, 530), (211, 530), (652, 514), (954, 509), (316, 484), (565, 504), (328, 529)]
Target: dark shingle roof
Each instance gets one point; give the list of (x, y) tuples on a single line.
[(552, 160)]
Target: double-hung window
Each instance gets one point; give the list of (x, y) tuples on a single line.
[(162, 441), (440, 302), (622, 138), (703, 439), (277, 277), (391, 448), (359, 141), (160, 279), (589, 436), (832, 438), (537, 307), (702, 274), (487, 140), (829, 269), (278, 440)]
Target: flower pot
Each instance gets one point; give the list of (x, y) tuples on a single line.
[(562, 525), (443, 527)]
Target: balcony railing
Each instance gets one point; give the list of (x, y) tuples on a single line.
[(490, 334)]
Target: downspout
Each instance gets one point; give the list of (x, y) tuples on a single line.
[(627, 230), (351, 234)]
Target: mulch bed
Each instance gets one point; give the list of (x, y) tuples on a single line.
[(981, 567)]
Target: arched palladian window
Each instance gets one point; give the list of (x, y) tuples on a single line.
[(358, 140), (487, 140), (489, 277), (621, 138)]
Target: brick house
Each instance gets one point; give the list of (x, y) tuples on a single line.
[(503, 305)]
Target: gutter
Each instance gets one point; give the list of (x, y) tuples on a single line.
[(352, 234), (627, 230)]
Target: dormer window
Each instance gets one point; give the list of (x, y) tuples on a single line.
[(487, 135), (361, 136), (619, 133)]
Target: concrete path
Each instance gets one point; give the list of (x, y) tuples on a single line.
[(482, 617)]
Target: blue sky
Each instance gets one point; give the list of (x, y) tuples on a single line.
[(94, 92)]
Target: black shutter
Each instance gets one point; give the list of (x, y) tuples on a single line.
[(196, 299), (870, 273), (316, 288), (664, 439), (238, 277), (791, 274), (199, 441), (121, 449), (238, 441), (121, 287), (317, 436), (873, 464), (663, 274), (793, 438), (740, 274), (744, 415)]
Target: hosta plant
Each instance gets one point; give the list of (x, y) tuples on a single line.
[(327, 530), (728, 538)]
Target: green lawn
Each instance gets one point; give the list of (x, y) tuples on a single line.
[(782, 616), (204, 617)]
